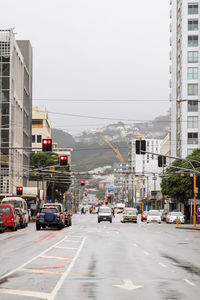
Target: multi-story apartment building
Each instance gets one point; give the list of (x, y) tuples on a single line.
[(41, 128), (15, 111), (184, 82)]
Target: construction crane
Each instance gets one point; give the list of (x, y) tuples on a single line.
[(119, 156)]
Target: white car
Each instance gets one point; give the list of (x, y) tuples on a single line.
[(172, 217), (154, 216)]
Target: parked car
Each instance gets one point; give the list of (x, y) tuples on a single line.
[(68, 218), (2, 228), (104, 214), (60, 208), (172, 217), (9, 216), (144, 216), (164, 215), (22, 218), (129, 215), (18, 202), (154, 216), (49, 216)]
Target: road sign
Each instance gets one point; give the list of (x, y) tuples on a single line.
[(52, 169)]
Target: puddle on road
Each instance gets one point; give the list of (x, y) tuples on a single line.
[(184, 265)]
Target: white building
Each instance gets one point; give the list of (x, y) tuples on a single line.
[(15, 111), (184, 82), (41, 128)]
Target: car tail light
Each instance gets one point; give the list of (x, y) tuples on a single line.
[(58, 215), (66, 217), (61, 215), (38, 214)]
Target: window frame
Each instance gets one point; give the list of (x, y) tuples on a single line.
[(192, 122), (193, 57), (192, 39), (192, 73), (190, 85)]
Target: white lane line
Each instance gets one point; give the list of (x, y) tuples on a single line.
[(54, 257), (25, 293), (40, 271), (72, 241), (162, 265), (146, 253), (32, 259), (68, 248), (189, 282), (61, 280)]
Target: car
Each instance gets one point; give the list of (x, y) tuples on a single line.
[(22, 218), (68, 218), (49, 216), (129, 215), (144, 216), (60, 208), (153, 216), (9, 217), (164, 215), (104, 214), (18, 202), (172, 217)]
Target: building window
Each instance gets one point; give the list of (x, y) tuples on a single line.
[(192, 25), (39, 138), (37, 122), (192, 105), (193, 41), (192, 73), (33, 138), (192, 122), (193, 89), (193, 57), (192, 8), (189, 151), (192, 138)]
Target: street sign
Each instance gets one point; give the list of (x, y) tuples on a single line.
[(52, 169)]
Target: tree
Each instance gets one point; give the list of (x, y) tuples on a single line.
[(177, 186)]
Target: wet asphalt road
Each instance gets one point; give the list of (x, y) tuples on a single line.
[(100, 261)]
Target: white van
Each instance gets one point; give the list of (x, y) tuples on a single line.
[(17, 202)]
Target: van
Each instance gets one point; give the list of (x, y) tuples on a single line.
[(18, 202)]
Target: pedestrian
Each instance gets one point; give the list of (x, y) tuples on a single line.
[(113, 212), (82, 210)]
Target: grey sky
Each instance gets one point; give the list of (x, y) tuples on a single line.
[(95, 49)]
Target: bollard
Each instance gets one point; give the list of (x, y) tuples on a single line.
[(179, 221), (177, 225)]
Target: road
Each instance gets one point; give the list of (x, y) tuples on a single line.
[(100, 261)]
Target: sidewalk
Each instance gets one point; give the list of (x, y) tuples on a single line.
[(189, 226)]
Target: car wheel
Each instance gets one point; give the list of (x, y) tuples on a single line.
[(99, 221), (147, 222), (38, 227), (59, 227)]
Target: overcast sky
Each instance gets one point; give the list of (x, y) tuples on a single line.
[(95, 49)]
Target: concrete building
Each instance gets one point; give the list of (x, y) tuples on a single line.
[(144, 179), (184, 82), (41, 128), (15, 111)]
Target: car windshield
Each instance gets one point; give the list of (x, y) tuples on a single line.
[(55, 205), (104, 210), (14, 203), (5, 210), (176, 213), (48, 209), (130, 211), (154, 213)]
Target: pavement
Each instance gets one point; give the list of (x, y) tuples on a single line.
[(189, 227), (104, 261)]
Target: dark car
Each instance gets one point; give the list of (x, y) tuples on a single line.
[(68, 218), (9, 217), (48, 217), (22, 218)]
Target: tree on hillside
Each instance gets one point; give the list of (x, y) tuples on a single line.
[(181, 187)]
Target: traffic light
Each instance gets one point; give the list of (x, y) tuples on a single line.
[(63, 160), (109, 197), (82, 182), (86, 194), (161, 161), (47, 145), (140, 146), (19, 190)]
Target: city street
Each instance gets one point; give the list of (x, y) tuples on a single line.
[(100, 261)]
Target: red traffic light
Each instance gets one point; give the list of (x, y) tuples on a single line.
[(19, 190), (82, 182), (109, 196), (86, 193), (63, 160), (47, 145)]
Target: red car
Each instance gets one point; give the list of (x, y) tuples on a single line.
[(9, 216), (144, 216), (22, 218)]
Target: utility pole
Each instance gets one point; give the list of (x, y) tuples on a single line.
[(195, 182)]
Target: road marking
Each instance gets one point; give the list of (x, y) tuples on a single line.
[(189, 282), (128, 285), (146, 253), (40, 271), (62, 247), (162, 265), (32, 259), (25, 293), (66, 273), (54, 257), (72, 241)]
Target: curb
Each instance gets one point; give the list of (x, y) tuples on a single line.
[(189, 228)]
